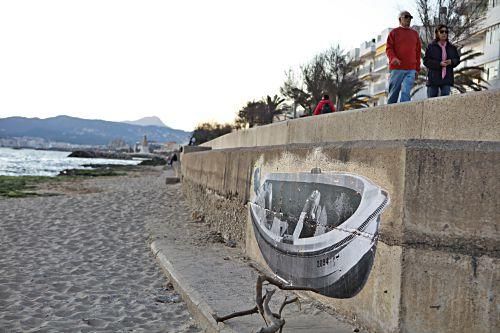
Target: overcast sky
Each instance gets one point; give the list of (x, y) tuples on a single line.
[(185, 61)]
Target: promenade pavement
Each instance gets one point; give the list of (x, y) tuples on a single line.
[(214, 277)]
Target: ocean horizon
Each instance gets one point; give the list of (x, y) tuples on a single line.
[(33, 162)]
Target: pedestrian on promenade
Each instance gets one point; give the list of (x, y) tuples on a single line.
[(324, 106), (172, 159), (403, 50), (440, 58)]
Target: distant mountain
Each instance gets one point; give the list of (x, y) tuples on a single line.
[(146, 121), (85, 131)]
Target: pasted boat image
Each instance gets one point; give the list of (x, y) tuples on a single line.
[(318, 230)]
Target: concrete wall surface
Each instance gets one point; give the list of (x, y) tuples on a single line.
[(438, 253), (377, 306), (472, 116), (449, 292)]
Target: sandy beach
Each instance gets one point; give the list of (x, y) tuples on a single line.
[(81, 262)]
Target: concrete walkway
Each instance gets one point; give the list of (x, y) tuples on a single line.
[(215, 278)]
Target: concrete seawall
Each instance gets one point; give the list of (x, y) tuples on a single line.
[(468, 117), (438, 257)]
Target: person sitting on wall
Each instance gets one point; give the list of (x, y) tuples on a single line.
[(324, 106)]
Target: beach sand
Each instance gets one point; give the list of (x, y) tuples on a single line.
[(81, 262)]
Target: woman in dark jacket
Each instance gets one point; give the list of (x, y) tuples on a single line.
[(440, 58)]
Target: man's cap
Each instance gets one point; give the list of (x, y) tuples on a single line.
[(404, 12)]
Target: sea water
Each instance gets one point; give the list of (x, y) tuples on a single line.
[(30, 162)]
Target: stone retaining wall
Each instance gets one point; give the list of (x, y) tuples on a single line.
[(438, 257), (438, 253)]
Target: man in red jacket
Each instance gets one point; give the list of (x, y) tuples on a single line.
[(403, 50), (324, 106)]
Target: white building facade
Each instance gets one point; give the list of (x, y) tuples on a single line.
[(487, 41)]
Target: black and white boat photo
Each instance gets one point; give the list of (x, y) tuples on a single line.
[(318, 230)]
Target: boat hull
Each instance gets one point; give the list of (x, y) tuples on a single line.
[(338, 263), (328, 272)]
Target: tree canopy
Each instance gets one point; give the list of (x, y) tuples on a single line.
[(259, 112), (209, 131), (331, 72), (462, 17)]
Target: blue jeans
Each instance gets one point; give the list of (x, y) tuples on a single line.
[(432, 91), (401, 80)]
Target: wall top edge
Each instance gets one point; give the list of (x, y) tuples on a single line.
[(491, 146), (472, 116)]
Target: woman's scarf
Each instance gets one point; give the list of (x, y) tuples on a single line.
[(443, 56)]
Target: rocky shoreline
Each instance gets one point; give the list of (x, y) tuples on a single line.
[(149, 159), (100, 154)]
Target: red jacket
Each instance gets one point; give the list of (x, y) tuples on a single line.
[(318, 108), (404, 44)]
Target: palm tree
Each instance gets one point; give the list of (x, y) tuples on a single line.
[(357, 102), (272, 105), (331, 72), (470, 77), (252, 114), (208, 131)]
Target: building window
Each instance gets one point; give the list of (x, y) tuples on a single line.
[(494, 34), (491, 71)]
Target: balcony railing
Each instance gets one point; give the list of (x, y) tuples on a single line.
[(380, 63), (365, 91), (379, 87), (364, 71), (366, 49)]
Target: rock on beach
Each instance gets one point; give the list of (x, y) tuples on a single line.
[(99, 154)]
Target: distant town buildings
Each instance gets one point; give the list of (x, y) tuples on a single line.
[(119, 145), (144, 148), (40, 143), (116, 145), (147, 147), (167, 147)]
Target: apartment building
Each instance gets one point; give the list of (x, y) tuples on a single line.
[(487, 41), (373, 68)]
